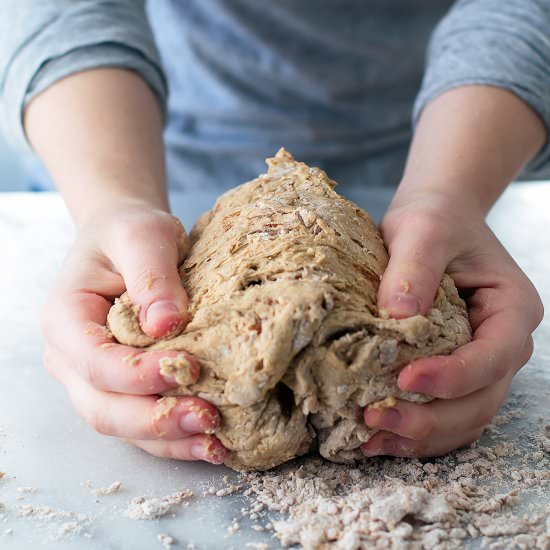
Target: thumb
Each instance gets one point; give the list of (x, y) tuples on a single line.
[(418, 258), (147, 257)]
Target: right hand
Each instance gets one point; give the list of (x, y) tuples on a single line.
[(115, 387)]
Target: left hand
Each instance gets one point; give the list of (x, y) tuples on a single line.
[(427, 234)]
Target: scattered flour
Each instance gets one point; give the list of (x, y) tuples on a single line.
[(27, 489), (156, 507), (166, 540), (113, 488), (60, 523), (70, 528), (495, 494), (408, 503)]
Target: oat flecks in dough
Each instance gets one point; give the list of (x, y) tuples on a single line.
[(384, 403), (282, 277)]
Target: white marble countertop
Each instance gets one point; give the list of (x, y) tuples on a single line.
[(44, 444)]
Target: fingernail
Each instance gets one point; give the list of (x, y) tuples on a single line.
[(170, 380), (422, 384), (212, 451), (200, 420), (384, 418), (191, 422), (402, 304), (163, 317), (386, 447), (163, 307)]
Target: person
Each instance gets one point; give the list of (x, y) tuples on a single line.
[(85, 89)]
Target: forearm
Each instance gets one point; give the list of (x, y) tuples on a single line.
[(469, 144), (99, 133)]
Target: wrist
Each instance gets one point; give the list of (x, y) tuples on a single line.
[(99, 134), (437, 198), (115, 203), (469, 144)]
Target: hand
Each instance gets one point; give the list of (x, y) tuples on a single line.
[(112, 386), (428, 234)]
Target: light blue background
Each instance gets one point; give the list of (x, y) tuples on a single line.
[(11, 170)]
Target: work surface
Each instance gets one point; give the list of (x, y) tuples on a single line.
[(44, 445)]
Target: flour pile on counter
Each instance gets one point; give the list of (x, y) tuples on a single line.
[(154, 508), (474, 493), (495, 493)]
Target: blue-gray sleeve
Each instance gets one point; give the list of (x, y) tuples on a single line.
[(491, 42), (42, 41)]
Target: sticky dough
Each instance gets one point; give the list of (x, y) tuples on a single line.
[(282, 278)]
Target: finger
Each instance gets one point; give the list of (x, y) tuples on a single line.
[(73, 324), (440, 419), (147, 256), (195, 447), (386, 443), (137, 417), (500, 347), (419, 254)]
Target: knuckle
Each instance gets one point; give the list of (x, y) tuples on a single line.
[(425, 223), (161, 418), (501, 399), (123, 230), (143, 382), (425, 276), (132, 228), (417, 449), (528, 351), (500, 371), (424, 426), (46, 319), (473, 437), (389, 225), (99, 422), (129, 233), (484, 418), (47, 359), (453, 385), (421, 223), (500, 403), (157, 425), (168, 449), (89, 369), (528, 301), (538, 310), (487, 413), (142, 281)]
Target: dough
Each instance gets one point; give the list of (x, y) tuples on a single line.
[(282, 278)]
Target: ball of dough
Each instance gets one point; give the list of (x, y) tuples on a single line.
[(282, 277)]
